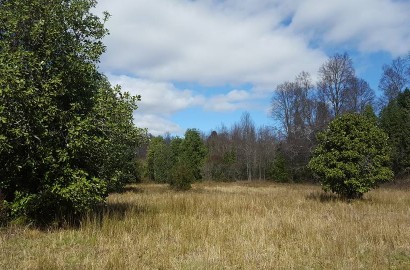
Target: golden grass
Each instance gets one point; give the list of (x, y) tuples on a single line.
[(225, 226)]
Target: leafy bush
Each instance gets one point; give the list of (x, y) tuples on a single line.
[(182, 177), (279, 170), (352, 156)]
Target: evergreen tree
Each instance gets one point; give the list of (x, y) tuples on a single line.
[(395, 120), (352, 156), (188, 157), (279, 170), (193, 152), (66, 136)]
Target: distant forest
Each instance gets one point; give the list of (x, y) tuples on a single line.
[(303, 110)]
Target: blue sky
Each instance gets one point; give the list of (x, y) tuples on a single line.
[(201, 63)]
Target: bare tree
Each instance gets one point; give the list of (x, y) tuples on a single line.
[(335, 77), (221, 161), (248, 139), (395, 77), (294, 105), (359, 95), (265, 150), (282, 106), (304, 105), (322, 116)]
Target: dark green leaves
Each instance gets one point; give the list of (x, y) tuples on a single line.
[(395, 120), (66, 136), (352, 156)]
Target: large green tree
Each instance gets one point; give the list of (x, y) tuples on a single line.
[(65, 133), (395, 120), (352, 156)]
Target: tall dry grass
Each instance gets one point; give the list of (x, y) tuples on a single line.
[(224, 226)]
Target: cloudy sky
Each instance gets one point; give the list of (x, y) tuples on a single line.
[(200, 63)]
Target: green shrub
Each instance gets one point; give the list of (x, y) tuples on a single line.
[(352, 156), (279, 170), (69, 196), (182, 177)]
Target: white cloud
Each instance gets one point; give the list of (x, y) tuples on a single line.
[(233, 100), (205, 42), (257, 42), (368, 25), (155, 124), (161, 100), (157, 97), (262, 42)]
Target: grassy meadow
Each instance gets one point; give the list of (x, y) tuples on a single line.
[(246, 225)]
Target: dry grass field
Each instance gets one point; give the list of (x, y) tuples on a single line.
[(224, 226)]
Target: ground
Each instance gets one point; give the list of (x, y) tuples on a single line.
[(243, 225)]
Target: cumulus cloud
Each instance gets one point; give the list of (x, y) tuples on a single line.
[(261, 43), (157, 97), (204, 42), (161, 100), (155, 124), (367, 25), (233, 100)]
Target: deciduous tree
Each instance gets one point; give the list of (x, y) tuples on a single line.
[(395, 78), (335, 78)]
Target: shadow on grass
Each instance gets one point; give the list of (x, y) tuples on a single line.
[(117, 211), (402, 183), (99, 215), (132, 189), (324, 197), (109, 211)]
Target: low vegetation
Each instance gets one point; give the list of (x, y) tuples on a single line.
[(247, 225)]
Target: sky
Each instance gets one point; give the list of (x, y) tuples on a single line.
[(202, 63)]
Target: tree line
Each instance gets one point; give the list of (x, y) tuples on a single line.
[(302, 110)]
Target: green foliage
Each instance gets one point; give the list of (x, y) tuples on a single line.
[(279, 170), (159, 160), (369, 113), (192, 152), (223, 168), (66, 135), (352, 156), (188, 159), (395, 120), (220, 159), (178, 162), (182, 177)]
